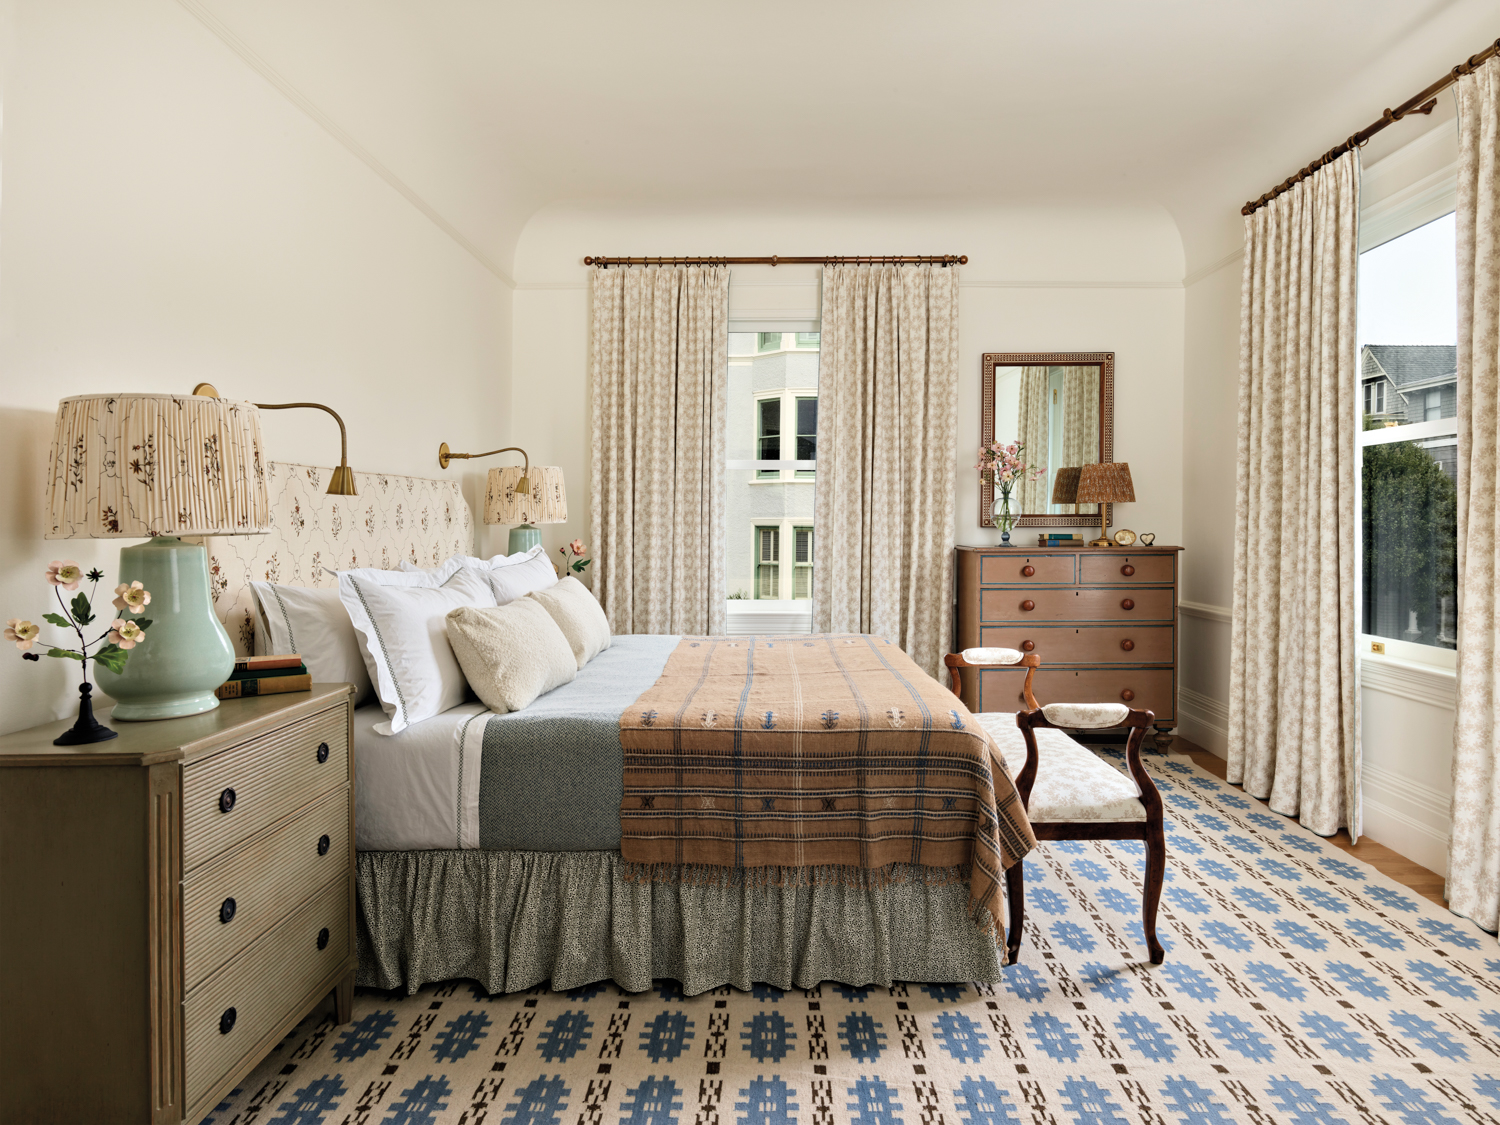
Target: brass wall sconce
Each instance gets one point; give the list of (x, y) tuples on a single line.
[(341, 483), (523, 485), (523, 497)]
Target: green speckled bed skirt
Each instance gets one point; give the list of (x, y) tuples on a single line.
[(511, 920)]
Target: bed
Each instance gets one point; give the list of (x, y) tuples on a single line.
[(490, 846)]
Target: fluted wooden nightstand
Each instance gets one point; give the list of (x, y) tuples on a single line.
[(172, 903)]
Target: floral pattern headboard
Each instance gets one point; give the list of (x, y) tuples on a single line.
[(314, 535)]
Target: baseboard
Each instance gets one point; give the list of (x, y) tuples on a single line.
[(1406, 836), (1204, 720)]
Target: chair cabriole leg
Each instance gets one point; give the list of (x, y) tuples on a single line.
[(1156, 869), (1015, 894)]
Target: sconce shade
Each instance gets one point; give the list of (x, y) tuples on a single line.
[(1105, 484), (130, 466), (545, 502), (1065, 487)]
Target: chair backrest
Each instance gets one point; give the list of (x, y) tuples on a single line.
[(957, 661)]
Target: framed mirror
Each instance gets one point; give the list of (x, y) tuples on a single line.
[(1061, 406)]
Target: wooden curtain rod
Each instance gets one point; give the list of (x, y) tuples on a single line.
[(1418, 103), (776, 260)]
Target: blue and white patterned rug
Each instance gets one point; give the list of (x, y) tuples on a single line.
[(1299, 988)]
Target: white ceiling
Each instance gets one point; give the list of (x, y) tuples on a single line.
[(490, 110)]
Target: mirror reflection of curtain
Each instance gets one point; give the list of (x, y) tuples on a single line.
[(1080, 424), (1032, 496)]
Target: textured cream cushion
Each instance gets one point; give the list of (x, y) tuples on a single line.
[(1086, 716), (511, 653), (1072, 782), (992, 655), (580, 617)]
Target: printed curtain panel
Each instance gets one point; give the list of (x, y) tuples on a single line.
[(660, 370), (887, 424), (1293, 704), (1474, 837)]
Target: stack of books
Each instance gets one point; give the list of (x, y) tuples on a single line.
[(265, 675), (1060, 539)]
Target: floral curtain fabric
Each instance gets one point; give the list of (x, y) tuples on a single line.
[(1032, 495), (887, 431), (660, 345), (1474, 835), (1080, 422), (1293, 706)]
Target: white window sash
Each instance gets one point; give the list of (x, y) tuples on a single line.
[(1412, 431)]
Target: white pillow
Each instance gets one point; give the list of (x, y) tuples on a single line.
[(509, 576), (511, 653), (580, 617), (315, 625), (400, 618)]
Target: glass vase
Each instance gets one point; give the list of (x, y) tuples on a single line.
[(1003, 517)]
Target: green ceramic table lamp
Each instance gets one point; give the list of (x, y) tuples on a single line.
[(128, 466), (526, 496)]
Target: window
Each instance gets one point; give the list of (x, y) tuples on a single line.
[(808, 339), (767, 341), (807, 434), (768, 445), (768, 562), (802, 562), (1409, 458)]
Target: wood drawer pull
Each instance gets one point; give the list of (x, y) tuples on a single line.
[(1027, 646), (226, 801), (226, 1021), (226, 912), (323, 938), (1127, 570), (1027, 606), (322, 752), (1127, 604), (1027, 571), (1127, 644), (1127, 695), (324, 843)]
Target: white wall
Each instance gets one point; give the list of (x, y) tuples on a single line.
[(166, 217), (1037, 279)]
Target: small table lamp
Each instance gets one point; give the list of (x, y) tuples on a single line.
[(544, 501), (1105, 484), (127, 466)]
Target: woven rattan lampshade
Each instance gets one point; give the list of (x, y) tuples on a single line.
[(129, 466), (545, 502)]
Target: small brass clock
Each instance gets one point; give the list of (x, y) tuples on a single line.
[(1124, 537)]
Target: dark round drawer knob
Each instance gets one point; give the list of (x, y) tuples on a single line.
[(226, 911), (322, 752), (1127, 604), (1027, 646), (1127, 570), (226, 800), (1027, 571), (1127, 695), (226, 1021), (323, 938), (1127, 644), (1028, 605), (324, 843)]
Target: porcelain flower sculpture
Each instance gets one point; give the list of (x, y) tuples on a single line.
[(67, 574), (24, 633), (126, 634), (573, 560), (132, 597)]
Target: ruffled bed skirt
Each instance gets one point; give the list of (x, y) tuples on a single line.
[(512, 920)]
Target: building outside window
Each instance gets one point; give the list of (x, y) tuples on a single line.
[(768, 448), (768, 562), (802, 560), (1409, 439)]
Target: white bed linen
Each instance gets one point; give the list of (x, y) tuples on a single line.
[(418, 789)]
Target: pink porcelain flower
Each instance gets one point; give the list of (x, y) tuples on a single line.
[(67, 574), (133, 597), (24, 633), (577, 547), (126, 634)]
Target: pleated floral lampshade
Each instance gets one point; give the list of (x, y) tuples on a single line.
[(164, 466), (545, 501)]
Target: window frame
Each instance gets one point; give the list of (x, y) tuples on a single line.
[(773, 564), (799, 567)]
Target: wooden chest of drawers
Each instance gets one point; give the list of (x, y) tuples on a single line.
[(175, 901), (1103, 621)]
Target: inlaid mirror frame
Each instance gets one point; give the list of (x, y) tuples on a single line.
[(1105, 361)]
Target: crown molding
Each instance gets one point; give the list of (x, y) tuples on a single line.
[(1213, 267), (967, 284), (199, 11)]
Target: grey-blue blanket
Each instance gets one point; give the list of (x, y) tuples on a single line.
[(551, 776)]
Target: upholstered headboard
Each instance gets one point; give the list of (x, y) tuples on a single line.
[(314, 535)]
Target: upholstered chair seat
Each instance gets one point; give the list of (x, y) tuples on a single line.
[(1072, 782)]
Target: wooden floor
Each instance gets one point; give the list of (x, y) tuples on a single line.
[(1428, 884)]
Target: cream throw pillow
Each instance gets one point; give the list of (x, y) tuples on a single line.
[(511, 654), (579, 615)]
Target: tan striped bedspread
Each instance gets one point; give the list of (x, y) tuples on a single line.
[(801, 751)]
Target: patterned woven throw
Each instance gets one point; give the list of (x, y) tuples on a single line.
[(790, 752)]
